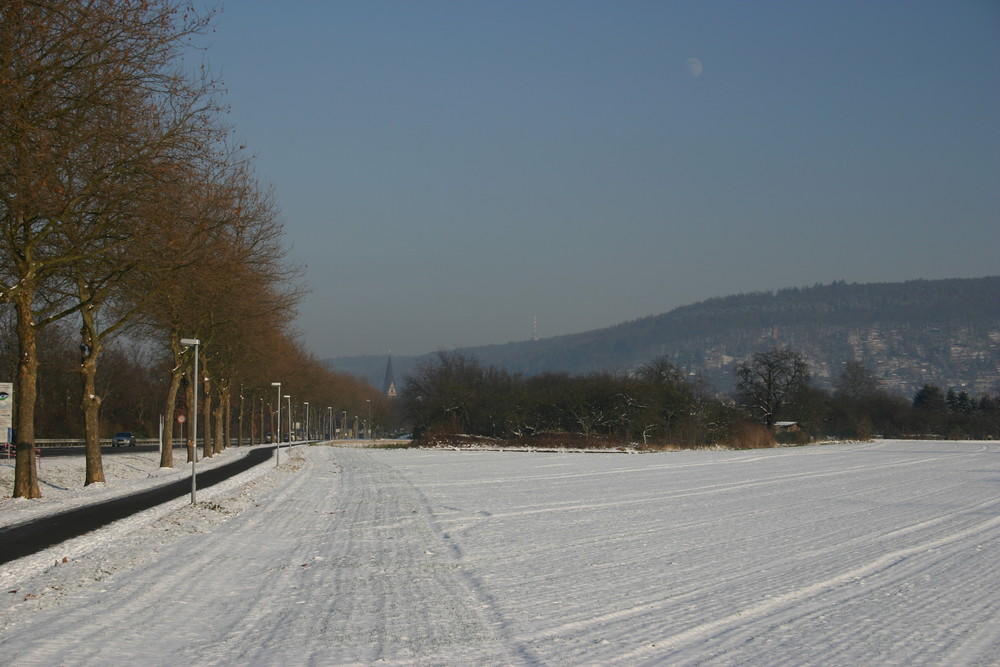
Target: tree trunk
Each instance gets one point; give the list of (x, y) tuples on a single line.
[(227, 402), (253, 422), (25, 472), (90, 402), (218, 414), (189, 424), (207, 449), (240, 417), (270, 422), (167, 453)]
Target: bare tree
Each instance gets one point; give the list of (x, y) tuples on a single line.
[(80, 84), (856, 382), (765, 382), (151, 237), (235, 291)]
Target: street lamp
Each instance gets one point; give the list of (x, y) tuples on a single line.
[(189, 343), (306, 403), (369, 401), (277, 433)]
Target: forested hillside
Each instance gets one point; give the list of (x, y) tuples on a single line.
[(945, 332)]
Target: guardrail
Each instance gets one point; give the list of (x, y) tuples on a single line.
[(8, 449), (80, 442)]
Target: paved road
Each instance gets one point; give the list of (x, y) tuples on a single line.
[(24, 539)]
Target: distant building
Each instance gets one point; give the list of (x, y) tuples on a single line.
[(389, 385)]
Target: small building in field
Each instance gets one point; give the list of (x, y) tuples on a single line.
[(787, 427)]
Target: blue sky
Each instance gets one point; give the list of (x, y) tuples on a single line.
[(449, 171)]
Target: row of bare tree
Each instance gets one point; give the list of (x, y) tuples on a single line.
[(125, 209), (134, 375), (455, 394), (659, 405)]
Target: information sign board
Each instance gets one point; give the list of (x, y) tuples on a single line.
[(6, 410)]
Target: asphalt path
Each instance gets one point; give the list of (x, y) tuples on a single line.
[(31, 537)]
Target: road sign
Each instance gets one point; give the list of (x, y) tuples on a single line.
[(181, 419), (6, 409)]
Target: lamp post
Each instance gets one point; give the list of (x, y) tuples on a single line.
[(189, 343), (277, 433), (369, 401), (343, 424), (306, 403)]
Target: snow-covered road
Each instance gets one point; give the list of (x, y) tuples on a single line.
[(861, 554)]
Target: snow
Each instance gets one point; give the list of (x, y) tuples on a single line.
[(865, 554)]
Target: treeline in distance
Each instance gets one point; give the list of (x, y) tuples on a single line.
[(658, 406)]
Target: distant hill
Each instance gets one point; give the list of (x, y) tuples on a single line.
[(945, 332)]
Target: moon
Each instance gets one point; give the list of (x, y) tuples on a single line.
[(694, 66)]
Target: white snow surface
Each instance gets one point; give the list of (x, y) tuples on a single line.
[(882, 553)]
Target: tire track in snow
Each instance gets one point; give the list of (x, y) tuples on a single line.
[(336, 563), (135, 589), (385, 589), (412, 558), (790, 600), (590, 569)]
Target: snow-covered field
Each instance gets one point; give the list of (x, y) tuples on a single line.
[(884, 553)]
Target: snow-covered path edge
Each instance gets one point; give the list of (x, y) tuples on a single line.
[(315, 563), (30, 566)]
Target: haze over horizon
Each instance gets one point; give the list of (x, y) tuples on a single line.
[(450, 171)]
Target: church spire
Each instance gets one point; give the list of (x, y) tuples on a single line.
[(389, 385)]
